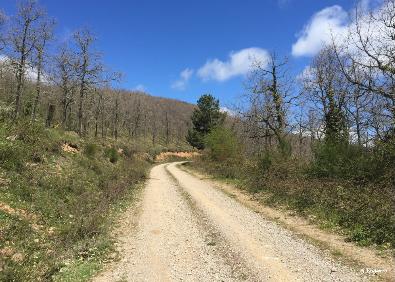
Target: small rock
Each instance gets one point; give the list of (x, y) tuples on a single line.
[(12, 137), (18, 257), (6, 252)]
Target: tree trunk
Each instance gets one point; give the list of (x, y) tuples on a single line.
[(38, 85), (80, 109), (167, 129), (21, 72), (50, 115), (116, 119)]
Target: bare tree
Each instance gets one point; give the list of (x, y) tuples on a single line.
[(167, 124), (65, 78), (370, 49), (269, 99), (357, 110), (88, 69), (138, 114), (82, 92), (116, 115), (23, 37), (326, 87), (99, 109), (3, 18), (44, 34)]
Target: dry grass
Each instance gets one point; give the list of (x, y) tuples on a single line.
[(169, 156)]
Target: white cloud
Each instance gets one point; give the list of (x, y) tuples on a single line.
[(140, 87), (335, 24), (30, 71), (239, 63), (182, 82), (307, 73), (331, 21), (228, 111)]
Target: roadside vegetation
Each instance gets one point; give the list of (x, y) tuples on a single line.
[(352, 193), (321, 144), (57, 195), (59, 198)]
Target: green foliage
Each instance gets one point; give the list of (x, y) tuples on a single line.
[(222, 144), (344, 187), (204, 118), (195, 139), (111, 154), (12, 155), (339, 160), (90, 150), (335, 125), (24, 142), (5, 112), (353, 162), (63, 202), (265, 163)]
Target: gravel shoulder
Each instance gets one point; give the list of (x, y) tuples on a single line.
[(188, 230), (377, 264)]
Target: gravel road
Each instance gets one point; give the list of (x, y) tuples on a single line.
[(188, 230)]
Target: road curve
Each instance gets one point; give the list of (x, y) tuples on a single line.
[(190, 231)]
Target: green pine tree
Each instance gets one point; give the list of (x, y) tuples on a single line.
[(204, 118)]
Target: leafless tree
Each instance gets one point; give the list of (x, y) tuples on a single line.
[(370, 49), (269, 98), (23, 37), (65, 78), (116, 115), (88, 68), (82, 91), (44, 34), (3, 18)]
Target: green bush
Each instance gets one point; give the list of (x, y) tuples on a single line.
[(346, 187), (12, 155), (353, 162), (222, 144), (67, 200), (111, 154), (90, 150)]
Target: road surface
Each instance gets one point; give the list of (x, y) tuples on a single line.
[(187, 230)]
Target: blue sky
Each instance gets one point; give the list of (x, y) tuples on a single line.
[(181, 49)]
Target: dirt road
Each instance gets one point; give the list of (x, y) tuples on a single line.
[(190, 231)]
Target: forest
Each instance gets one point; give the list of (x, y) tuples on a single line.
[(64, 83)]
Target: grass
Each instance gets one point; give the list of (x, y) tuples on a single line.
[(57, 206)]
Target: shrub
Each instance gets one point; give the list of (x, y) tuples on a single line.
[(345, 186), (222, 144), (12, 155), (111, 154), (90, 150), (340, 160), (30, 132), (353, 162)]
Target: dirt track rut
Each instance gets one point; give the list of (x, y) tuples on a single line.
[(189, 231)]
